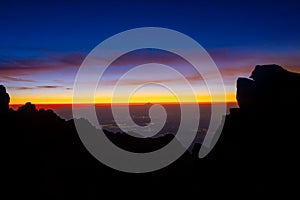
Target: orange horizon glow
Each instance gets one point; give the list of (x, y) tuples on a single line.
[(230, 98), (55, 106)]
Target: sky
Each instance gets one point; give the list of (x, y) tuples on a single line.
[(43, 43)]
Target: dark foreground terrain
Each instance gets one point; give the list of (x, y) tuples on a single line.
[(257, 151)]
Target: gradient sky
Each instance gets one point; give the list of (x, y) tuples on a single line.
[(42, 44)]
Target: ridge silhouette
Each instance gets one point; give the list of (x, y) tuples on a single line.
[(257, 150)]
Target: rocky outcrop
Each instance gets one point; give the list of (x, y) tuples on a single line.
[(270, 87), (260, 140), (4, 99), (28, 107)]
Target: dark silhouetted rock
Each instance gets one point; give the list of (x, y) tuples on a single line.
[(246, 93), (260, 140), (269, 73), (4, 99), (28, 107), (271, 88)]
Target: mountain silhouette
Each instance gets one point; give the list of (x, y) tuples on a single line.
[(47, 158), (257, 149)]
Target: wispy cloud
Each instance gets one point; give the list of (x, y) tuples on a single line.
[(21, 88), (232, 62), (227, 58), (236, 62), (131, 81), (10, 78), (40, 87), (13, 67), (49, 86)]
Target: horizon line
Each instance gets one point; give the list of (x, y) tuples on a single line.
[(133, 103)]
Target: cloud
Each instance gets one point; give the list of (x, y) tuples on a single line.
[(49, 86), (131, 81), (39, 87), (239, 57), (234, 62), (236, 71), (21, 88), (9, 78), (13, 67)]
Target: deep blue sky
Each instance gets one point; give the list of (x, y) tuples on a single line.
[(236, 33), (79, 25)]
